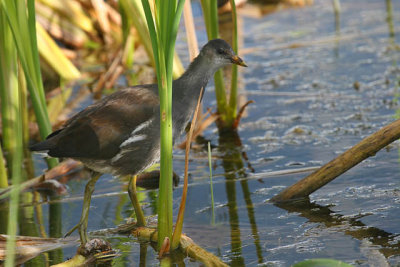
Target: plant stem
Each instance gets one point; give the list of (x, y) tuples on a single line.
[(211, 185), (179, 221), (163, 29), (210, 13), (232, 110)]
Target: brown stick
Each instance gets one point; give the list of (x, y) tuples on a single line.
[(190, 30), (179, 220), (366, 148), (187, 246)]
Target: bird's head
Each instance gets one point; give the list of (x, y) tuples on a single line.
[(219, 54)]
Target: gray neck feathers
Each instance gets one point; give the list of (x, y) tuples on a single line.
[(195, 77), (186, 90)]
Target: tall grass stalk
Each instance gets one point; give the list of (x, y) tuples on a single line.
[(210, 13), (137, 18), (211, 185), (232, 109), (14, 200), (23, 27), (176, 237), (12, 128), (227, 109), (163, 30), (8, 88), (16, 171)]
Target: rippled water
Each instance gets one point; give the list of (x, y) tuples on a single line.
[(317, 92)]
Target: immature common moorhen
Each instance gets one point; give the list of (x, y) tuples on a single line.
[(120, 134)]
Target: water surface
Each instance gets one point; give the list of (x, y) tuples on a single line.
[(318, 90)]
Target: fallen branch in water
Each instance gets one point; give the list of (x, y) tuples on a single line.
[(64, 168), (149, 234), (186, 245), (29, 247), (368, 147)]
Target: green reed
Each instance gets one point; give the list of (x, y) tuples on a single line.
[(211, 185), (163, 29), (12, 128), (18, 44), (232, 107), (227, 110), (210, 14), (23, 27)]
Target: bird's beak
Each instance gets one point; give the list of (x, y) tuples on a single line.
[(238, 61)]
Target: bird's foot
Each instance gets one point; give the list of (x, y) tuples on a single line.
[(96, 246)]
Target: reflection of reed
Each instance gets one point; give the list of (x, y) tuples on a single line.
[(55, 228), (143, 254), (353, 227), (336, 11), (27, 225), (233, 165), (389, 19)]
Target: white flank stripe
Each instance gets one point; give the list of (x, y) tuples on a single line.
[(132, 139), (141, 127), (117, 157), (42, 153)]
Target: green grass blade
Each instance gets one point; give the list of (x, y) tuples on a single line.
[(232, 110), (33, 43), (152, 32), (12, 120), (16, 170), (16, 15), (211, 185), (8, 85), (165, 188), (210, 14), (322, 262), (173, 33)]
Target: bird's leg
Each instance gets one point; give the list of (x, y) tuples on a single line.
[(82, 225), (140, 220)]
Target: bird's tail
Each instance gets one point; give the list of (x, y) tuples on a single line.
[(41, 148)]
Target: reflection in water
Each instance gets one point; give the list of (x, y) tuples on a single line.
[(389, 19), (55, 227), (119, 208), (143, 254), (231, 147), (336, 9), (28, 227), (387, 242)]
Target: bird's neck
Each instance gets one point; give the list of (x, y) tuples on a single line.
[(186, 91), (195, 77)]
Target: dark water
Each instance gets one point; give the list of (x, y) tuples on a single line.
[(318, 91)]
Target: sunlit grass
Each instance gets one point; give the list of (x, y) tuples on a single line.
[(163, 29), (226, 108)]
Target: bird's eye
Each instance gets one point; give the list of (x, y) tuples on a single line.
[(221, 51)]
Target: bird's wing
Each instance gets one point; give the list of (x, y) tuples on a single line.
[(98, 131)]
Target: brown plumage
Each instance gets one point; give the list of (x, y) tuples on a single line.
[(120, 133)]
